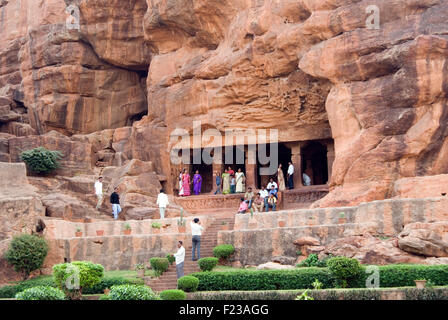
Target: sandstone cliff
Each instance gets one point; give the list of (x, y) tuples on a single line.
[(310, 68)]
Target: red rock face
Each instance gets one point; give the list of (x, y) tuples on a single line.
[(310, 68)]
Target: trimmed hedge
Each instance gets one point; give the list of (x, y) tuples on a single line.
[(263, 279), (174, 294), (159, 265), (188, 283), (329, 294), (346, 271), (41, 293), (10, 291), (223, 251), (88, 275), (302, 278), (131, 292), (403, 275), (207, 264)]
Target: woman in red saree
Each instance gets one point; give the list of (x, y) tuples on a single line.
[(186, 183)]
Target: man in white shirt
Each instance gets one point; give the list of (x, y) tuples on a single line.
[(271, 184), (180, 258), (264, 194), (306, 179), (290, 176), (162, 201), (99, 192), (196, 232)]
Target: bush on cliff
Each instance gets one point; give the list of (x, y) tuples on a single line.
[(26, 253), (223, 251), (41, 160), (313, 261), (73, 277), (41, 293)]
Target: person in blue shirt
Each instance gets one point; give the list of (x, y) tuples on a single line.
[(218, 183)]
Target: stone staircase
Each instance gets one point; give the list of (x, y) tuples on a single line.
[(168, 280)]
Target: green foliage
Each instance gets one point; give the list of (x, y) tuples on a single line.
[(107, 282), (73, 277), (207, 264), (223, 251), (346, 271), (313, 261), (317, 285), (132, 292), (156, 225), (426, 294), (139, 266), (41, 160), (304, 296), (263, 279), (170, 258), (403, 275), (26, 253), (159, 265), (173, 295), (41, 293), (188, 283), (127, 226), (299, 252)]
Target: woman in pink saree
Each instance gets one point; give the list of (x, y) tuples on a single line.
[(186, 183), (197, 183)]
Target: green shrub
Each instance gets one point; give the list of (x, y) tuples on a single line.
[(41, 293), (313, 261), (173, 295), (346, 271), (73, 277), (41, 160), (207, 264), (131, 292), (159, 265), (170, 258), (26, 253), (403, 275), (223, 251), (263, 279), (108, 282), (188, 283)]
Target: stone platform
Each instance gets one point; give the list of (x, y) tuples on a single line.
[(298, 198)]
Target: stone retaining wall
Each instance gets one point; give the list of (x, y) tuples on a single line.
[(63, 229), (257, 240)]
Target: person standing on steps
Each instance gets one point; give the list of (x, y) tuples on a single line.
[(196, 232), (99, 192), (162, 201), (218, 182), (115, 201), (180, 258)]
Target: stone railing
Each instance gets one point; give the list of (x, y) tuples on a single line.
[(192, 203)]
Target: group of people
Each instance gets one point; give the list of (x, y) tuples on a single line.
[(185, 182), (263, 200), (114, 198)]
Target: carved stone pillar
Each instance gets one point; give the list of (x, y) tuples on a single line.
[(251, 167), (330, 159), (296, 159)]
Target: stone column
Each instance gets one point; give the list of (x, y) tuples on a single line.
[(330, 159), (251, 168), (296, 158)]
